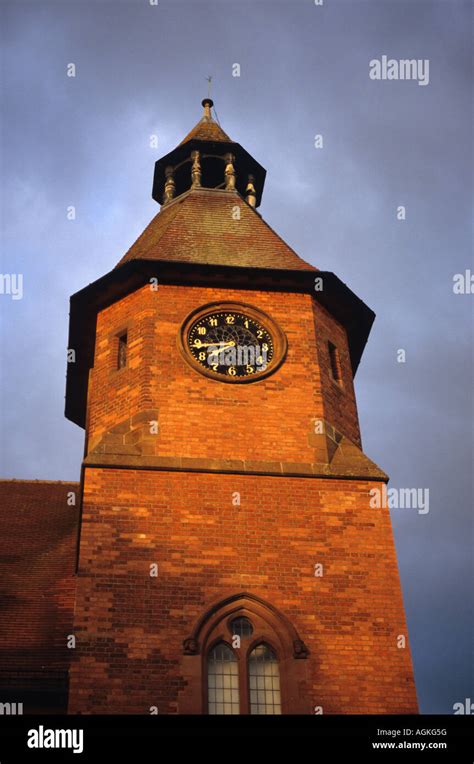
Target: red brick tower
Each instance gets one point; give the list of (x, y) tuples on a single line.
[(229, 559)]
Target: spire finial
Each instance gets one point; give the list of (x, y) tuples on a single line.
[(208, 103)]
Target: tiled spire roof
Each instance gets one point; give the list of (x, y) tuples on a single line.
[(200, 226), (207, 129)]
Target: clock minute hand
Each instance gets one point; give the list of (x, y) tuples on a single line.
[(199, 344)]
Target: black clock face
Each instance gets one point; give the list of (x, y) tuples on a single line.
[(231, 344)]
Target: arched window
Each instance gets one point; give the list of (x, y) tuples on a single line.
[(222, 681), (243, 656), (264, 681), (251, 685)]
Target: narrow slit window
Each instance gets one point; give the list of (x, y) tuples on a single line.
[(335, 363), (122, 351)]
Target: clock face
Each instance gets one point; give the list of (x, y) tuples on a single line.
[(231, 343)]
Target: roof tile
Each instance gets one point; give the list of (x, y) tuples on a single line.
[(207, 130), (38, 532), (200, 227)]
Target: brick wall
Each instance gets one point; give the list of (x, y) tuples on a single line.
[(200, 418), (130, 626)]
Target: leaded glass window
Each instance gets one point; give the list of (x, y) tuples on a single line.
[(223, 681), (264, 681)]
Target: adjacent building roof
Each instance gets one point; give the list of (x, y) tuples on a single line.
[(38, 537)]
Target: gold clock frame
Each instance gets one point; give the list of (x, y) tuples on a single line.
[(280, 343)]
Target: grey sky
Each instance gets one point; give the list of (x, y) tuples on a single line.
[(141, 70)]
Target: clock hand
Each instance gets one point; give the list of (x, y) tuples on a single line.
[(199, 344)]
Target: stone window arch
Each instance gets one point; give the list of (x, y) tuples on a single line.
[(263, 634)]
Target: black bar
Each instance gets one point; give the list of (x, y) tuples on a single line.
[(138, 738)]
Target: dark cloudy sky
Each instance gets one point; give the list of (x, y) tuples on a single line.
[(85, 141)]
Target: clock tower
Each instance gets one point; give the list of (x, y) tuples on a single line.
[(229, 558)]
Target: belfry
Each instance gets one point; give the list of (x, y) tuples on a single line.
[(229, 561)]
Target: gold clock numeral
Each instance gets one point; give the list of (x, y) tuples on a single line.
[(202, 356), (264, 346), (213, 322), (230, 319), (202, 330), (215, 366), (246, 323), (232, 371), (260, 334), (249, 369)]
